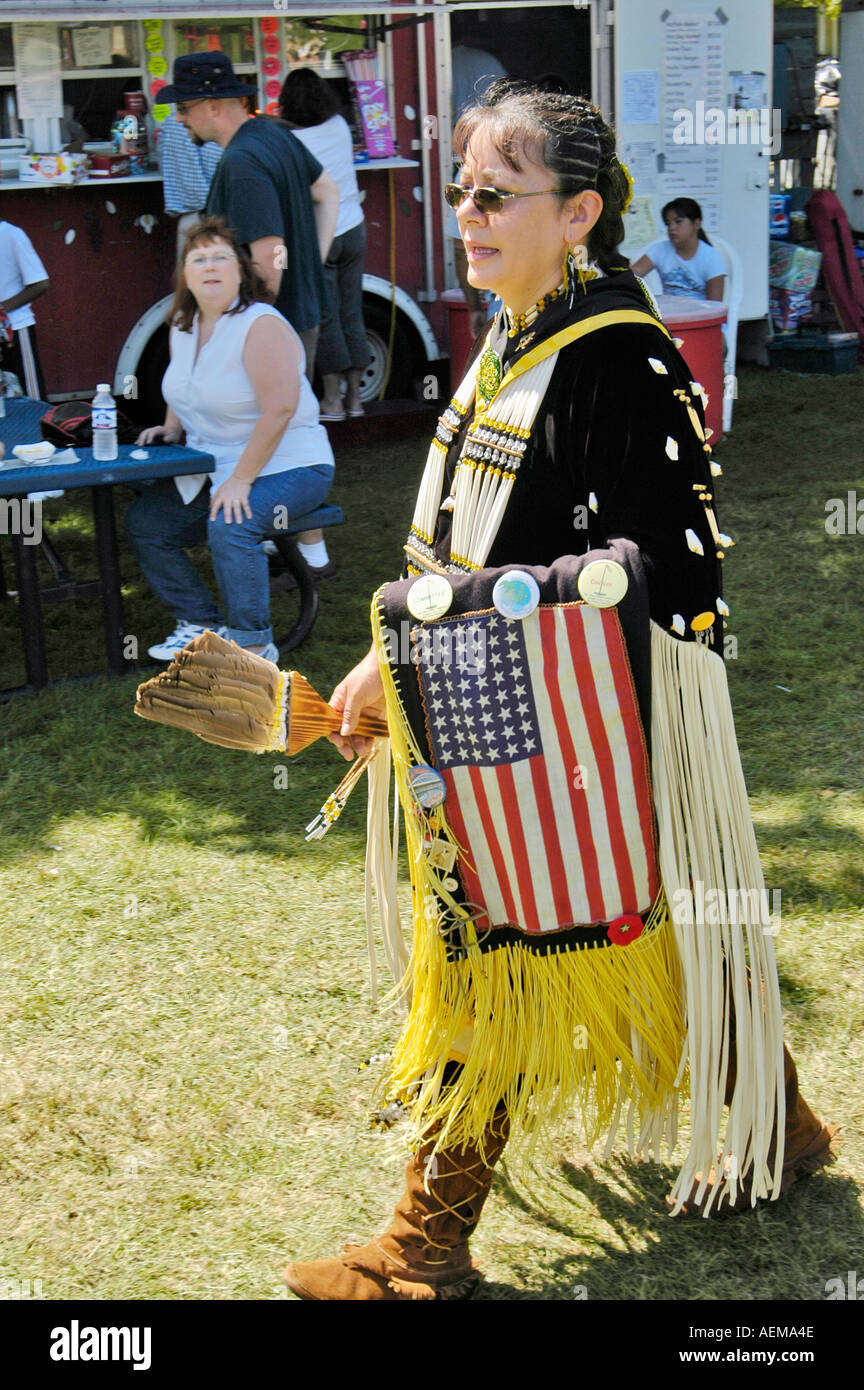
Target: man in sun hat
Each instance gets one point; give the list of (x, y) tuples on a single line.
[(267, 186), (275, 195)]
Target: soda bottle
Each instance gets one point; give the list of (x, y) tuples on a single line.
[(104, 418)]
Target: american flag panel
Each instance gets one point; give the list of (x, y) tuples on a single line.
[(534, 727)]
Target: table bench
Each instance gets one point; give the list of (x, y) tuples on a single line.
[(321, 518), (21, 426)]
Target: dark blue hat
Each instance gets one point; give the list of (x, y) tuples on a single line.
[(201, 75)]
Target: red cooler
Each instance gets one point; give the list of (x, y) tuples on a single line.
[(461, 341), (698, 323)]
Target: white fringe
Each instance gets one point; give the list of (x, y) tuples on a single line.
[(382, 865), (706, 837)]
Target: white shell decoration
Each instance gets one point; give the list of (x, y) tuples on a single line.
[(592, 501), (417, 191), (671, 447), (679, 342), (658, 366), (722, 608), (725, 540), (716, 470), (693, 542), (698, 390), (110, 207), (70, 236), (678, 624), (448, 504), (409, 113)]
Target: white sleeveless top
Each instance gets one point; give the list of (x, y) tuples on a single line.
[(214, 399)]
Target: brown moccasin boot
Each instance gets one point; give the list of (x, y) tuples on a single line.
[(807, 1147), (425, 1253)]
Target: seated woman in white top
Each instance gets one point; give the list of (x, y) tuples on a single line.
[(236, 384), (687, 263)]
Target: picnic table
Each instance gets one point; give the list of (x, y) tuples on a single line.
[(21, 426)]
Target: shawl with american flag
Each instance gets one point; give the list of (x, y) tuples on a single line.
[(535, 727)]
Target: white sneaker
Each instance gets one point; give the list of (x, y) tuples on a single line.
[(182, 635)]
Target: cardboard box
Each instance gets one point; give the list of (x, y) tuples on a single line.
[(109, 166), (372, 100), (788, 308), (52, 168), (792, 267)]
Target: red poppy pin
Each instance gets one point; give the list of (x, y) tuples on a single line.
[(625, 929)]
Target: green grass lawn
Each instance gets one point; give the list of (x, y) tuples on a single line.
[(184, 992)]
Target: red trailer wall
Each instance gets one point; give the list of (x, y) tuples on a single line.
[(409, 239), (102, 281)]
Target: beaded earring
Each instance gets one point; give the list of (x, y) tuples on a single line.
[(575, 267)]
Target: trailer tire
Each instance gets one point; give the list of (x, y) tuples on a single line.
[(149, 408), (407, 367), (407, 362)]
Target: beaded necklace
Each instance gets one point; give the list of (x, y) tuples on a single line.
[(519, 322), (484, 476)]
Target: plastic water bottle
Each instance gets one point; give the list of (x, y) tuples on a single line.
[(104, 418)]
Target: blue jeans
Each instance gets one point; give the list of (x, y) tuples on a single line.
[(160, 525)]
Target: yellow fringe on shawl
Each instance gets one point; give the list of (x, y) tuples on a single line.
[(602, 1027)]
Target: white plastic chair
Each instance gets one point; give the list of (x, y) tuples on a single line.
[(732, 292)]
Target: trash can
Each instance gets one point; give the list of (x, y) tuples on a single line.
[(699, 325)]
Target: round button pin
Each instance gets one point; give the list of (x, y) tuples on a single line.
[(428, 787), (516, 594), (603, 583), (429, 597)]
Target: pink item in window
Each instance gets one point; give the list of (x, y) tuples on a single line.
[(372, 100)]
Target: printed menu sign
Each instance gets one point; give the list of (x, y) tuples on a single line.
[(694, 82), (37, 71)]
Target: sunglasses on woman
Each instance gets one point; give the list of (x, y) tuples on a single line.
[(486, 200)]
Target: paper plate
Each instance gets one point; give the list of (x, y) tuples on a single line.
[(43, 452)]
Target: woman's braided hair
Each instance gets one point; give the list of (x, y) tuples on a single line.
[(569, 136)]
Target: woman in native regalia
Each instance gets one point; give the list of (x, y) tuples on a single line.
[(589, 910)]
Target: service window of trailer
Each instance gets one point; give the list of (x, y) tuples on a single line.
[(235, 36), (327, 45), (8, 109), (99, 63), (528, 41), (323, 45)]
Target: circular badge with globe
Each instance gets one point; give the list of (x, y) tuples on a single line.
[(516, 594)]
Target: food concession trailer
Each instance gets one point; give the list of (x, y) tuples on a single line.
[(108, 246)]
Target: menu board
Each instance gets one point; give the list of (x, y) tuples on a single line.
[(91, 46), (694, 92), (38, 85)]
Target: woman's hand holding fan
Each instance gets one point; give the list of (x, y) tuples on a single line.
[(227, 695), (359, 697)]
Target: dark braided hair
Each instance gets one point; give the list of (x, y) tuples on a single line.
[(567, 135)]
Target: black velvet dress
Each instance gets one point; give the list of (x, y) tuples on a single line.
[(599, 463)]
